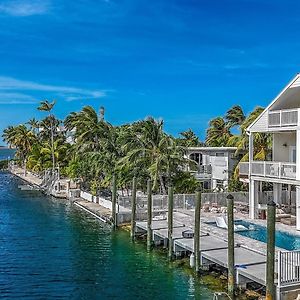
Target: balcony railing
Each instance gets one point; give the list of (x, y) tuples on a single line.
[(283, 118), (203, 172), (269, 169)]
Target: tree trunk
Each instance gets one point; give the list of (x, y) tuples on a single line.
[(162, 185)]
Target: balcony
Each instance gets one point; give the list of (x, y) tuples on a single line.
[(283, 118), (203, 172), (271, 169)]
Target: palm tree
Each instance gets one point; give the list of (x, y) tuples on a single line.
[(90, 129), (148, 147), (34, 124), (188, 139), (21, 138), (218, 133), (48, 106), (235, 116)]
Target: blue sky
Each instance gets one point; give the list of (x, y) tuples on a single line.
[(185, 61)]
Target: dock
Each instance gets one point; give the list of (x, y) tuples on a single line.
[(250, 265)]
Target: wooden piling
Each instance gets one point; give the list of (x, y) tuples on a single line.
[(114, 201), (149, 212), (231, 269), (133, 210), (197, 231), (270, 287), (170, 221)]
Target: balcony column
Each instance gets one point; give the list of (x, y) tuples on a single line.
[(298, 177), (250, 153), (298, 207), (253, 199), (277, 193)]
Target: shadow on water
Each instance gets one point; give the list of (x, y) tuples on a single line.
[(52, 250)]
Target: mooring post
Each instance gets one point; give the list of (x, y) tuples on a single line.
[(231, 269), (114, 201), (197, 231), (149, 212), (133, 209), (270, 287), (170, 221)]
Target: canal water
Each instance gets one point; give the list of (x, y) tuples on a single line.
[(51, 250)]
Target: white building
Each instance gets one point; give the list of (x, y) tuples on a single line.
[(214, 165), (281, 120)]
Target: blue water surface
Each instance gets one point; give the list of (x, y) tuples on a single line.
[(282, 239), (51, 250), (6, 153)]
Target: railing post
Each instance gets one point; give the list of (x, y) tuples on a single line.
[(265, 167), (270, 287), (279, 269), (280, 118), (170, 221), (230, 231), (149, 211), (279, 170), (133, 209)]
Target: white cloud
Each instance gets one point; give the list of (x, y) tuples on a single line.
[(12, 90), (25, 8), (16, 98)]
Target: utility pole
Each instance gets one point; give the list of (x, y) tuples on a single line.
[(170, 221), (270, 287), (231, 269), (149, 211), (197, 231), (114, 201), (133, 209)]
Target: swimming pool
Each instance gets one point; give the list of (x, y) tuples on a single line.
[(282, 239)]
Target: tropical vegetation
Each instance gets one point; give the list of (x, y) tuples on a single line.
[(89, 149)]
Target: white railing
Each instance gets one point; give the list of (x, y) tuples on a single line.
[(281, 118), (269, 169), (288, 267), (244, 168)]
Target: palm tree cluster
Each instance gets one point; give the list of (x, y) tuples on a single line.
[(140, 149), (39, 144), (100, 150), (221, 134)]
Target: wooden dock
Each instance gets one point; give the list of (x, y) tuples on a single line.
[(250, 264)]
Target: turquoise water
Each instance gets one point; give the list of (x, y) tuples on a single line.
[(6, 153), (282, 239), (51, 250)]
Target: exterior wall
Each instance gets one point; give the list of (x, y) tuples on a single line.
[(261, 125), (281, 146)]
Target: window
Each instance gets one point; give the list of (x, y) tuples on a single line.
[(220, 154)]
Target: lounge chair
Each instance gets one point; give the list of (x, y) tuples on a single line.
[(221, 223)]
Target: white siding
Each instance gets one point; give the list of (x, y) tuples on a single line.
[(296, 83), (261, 125), (281, 146)]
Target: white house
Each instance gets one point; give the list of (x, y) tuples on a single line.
[(280, 119), (214, 165)]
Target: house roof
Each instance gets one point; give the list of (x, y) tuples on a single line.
[(290, 84), (225, 149)]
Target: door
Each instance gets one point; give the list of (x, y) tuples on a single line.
[(292, 154)]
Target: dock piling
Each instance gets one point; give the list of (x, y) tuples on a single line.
[(133, 210), (170, 221), (197, 231), (114, 201), (149, 212), (231, 269), (270, 287)]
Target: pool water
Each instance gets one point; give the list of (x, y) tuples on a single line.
[(282, 239)]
